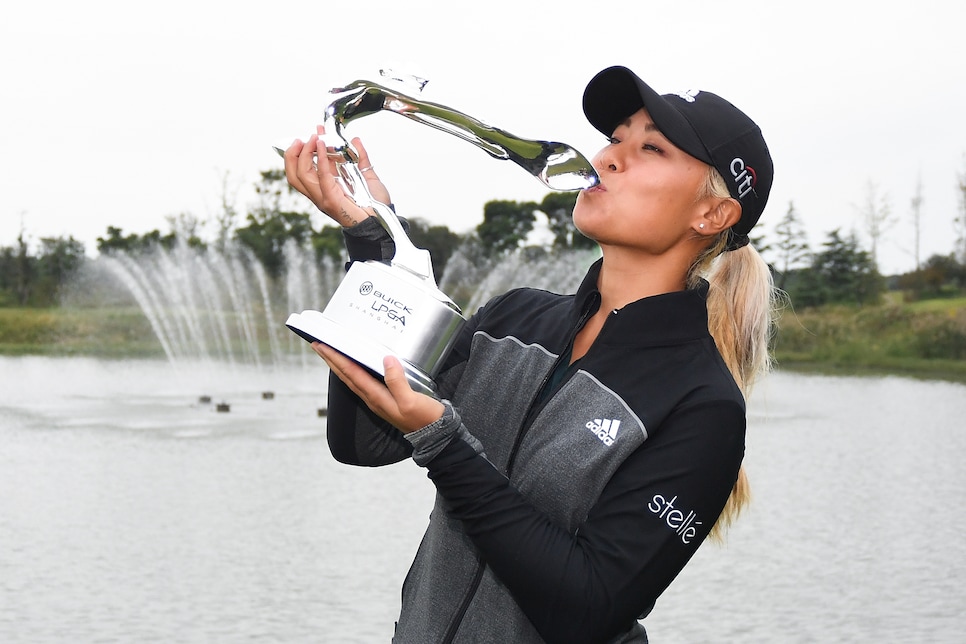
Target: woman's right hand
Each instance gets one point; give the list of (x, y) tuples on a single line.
[(318, 181)]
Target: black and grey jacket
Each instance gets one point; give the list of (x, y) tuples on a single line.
[(568, 498)]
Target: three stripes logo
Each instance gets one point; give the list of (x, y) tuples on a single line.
[(604, 429)]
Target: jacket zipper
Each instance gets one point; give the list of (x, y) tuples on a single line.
[(465, 605), (534, 408), (528, 420)]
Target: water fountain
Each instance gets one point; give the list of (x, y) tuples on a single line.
[(219, 305)]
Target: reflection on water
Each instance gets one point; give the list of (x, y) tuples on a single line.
[(855, 530), (130, 511)]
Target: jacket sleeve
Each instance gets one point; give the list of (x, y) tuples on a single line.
[(591, 585), (355, 434), (369, 240)]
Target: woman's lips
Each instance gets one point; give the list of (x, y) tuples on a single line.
[(598, 188)]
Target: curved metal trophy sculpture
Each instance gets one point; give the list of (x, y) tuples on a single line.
[(398, 309)]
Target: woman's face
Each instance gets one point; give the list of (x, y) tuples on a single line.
[(647, 196)]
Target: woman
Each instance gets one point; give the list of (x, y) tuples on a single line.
[(583, 446)]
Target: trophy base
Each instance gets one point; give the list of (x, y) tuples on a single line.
[(314, 326)]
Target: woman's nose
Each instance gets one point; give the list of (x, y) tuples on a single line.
[(607, 161)]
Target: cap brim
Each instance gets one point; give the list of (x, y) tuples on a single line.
[(616, 93)]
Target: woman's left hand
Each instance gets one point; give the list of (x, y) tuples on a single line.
[(395, 401)]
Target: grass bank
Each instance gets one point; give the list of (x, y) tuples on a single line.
[(921, 339), (108, 333)]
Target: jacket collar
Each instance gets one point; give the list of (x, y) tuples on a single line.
[(669, 318)]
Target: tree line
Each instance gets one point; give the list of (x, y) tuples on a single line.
[(841, 271)]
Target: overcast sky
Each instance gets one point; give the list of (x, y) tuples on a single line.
[(123, 113)]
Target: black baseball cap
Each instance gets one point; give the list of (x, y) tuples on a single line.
[(702, 124)]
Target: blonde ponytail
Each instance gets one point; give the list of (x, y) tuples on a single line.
[(741, 311), (741, 306)]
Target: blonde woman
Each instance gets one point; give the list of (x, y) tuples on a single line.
[(584, 445)]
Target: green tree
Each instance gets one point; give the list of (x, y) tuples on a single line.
[(328, 242), (25, 270), (959, 221), (8, 268), (939, 274), (266, 235), (269, 227), (945, 271), (17, 270), (842, 273), (117, 241), (185, 227), (791, 245), (440, 241), (275, 194), (559, 208), (57, 261), (505, 225), (760, 243)]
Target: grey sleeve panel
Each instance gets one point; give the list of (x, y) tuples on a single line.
[(429, 441)]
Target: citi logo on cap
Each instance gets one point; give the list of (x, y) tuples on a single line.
[(744, 175)]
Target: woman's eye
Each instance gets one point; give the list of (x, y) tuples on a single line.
[(613, 140), (651, 148)]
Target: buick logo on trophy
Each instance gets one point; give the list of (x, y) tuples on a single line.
[(397, 308)]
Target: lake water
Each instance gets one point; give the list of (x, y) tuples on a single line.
[(132, 512)]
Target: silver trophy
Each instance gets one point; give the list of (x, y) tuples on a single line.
[(398, 309)]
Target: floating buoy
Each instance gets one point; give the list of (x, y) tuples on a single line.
[(268, 395), (223, 407), (322, 412), (204, 399)]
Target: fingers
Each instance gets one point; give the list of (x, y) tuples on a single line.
[(291, 165), (395, 378), (327, 166), (372, 392), (364, 162), (394, 400), (306, 160), (310, 169), (345, 368), (300, 169), (413, 410), (376, 187)]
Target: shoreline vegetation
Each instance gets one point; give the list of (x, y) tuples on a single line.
[(211, 286), (925, 340)]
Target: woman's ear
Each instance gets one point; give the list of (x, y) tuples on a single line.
[(719, 217)]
